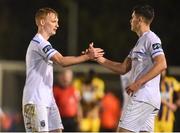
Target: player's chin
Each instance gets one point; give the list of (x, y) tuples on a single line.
[(132, 29), (53, 33)]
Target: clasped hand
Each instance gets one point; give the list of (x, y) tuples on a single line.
[(93, 53)]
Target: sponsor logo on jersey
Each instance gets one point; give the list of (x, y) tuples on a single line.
[(47, 48), (42, 123), (156, 46)]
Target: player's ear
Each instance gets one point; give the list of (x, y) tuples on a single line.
[(140, 19), (42, 21)]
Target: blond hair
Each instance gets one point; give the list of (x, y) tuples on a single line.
[(43, 12)]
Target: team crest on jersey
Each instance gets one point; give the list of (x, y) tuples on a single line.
[(156, 46), (47, 48), (42, 123)]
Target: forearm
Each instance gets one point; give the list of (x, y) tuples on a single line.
[(68, 60), (112, 65), (157, 68), (71, 60)]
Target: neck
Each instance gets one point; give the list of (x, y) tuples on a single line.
[(143, 29), (44, 34)]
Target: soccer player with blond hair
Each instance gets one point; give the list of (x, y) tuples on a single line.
[(39, 108)]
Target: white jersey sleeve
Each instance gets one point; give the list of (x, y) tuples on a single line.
[(45, 48), (155, 47)]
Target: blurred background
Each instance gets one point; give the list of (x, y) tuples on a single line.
[(104, 22)]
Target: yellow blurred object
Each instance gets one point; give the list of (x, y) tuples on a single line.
[(85, 124), (90, 125), (165, 120), (98, 84), (99, 87), (77, 83), (175, 83), (95, 124), (163, 126)]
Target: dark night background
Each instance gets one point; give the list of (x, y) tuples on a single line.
[(105, 22)]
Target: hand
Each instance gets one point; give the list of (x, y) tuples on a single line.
[(133, 88), (93, 53), (100, 60), (87, 50), (84, 52), (171, 106)]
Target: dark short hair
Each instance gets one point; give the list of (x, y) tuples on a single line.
[(145, 11)]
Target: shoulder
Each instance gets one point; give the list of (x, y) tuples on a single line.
[(36, 39), (152, 42), (152, 38)]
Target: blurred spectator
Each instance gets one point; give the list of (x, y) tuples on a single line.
[(96, 81), (110, 111), (5, 121), (91, 89), (177, 115), (89, 121), (169, 86), (17, 124), (67, 100)]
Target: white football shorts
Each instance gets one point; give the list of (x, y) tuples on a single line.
[(38, 118), (138, 116)]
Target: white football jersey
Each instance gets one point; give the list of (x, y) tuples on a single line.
[(39, 72), (147, 47)]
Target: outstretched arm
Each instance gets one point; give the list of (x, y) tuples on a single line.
[(119, 68), (70, 60)]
